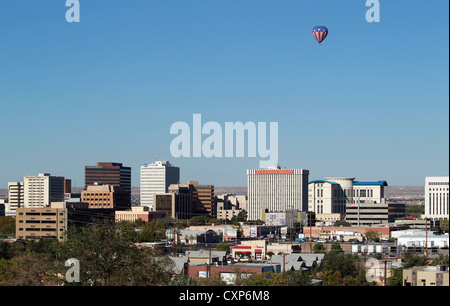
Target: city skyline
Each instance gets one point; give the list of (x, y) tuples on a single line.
[(370, 102)]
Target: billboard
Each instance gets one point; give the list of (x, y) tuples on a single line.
[(230, 232), (253, 232)]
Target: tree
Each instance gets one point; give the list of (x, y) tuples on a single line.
[(7, 227), (151, 231), (342, 223), (107, 258), (444, 225), (319, 248), (223, 246), (298, 278), (336, 247), (28, 270), (413, 260), (372, 235), (396, 278)]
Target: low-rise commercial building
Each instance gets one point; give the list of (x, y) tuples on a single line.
[(230, 274), (255, 249), (370, 213), (136, 213), (54, 221), (426, 276)]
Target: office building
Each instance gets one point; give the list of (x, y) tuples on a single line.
[(436, 198), (3, 204), (276, 189), (42, 190), (15, 197), (54, 221), (176, 204), (203, 202), (106, 196), (156, 178), (370, 213), (112, 174), (333, 194)]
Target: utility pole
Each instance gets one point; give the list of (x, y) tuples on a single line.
[(187, 265), (310, 233), (209, 264), (178, 237), (426, 238), (284, 269)]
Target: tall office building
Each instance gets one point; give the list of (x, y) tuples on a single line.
[(156, 178), (42, 190), (276, 189), (15, 196), (202, 199), (112, 174), (436, 198)]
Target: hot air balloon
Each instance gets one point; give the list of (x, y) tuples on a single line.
[(320, 33)]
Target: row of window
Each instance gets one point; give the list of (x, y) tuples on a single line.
[(40, 229)]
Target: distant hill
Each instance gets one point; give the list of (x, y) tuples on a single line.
[(402, 192), (416, 192)]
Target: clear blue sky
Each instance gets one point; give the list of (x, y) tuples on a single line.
[(372, 102)]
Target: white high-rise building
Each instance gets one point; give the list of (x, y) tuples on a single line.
[(436, 198), (42, 190), (276, 189), (332, 194), (15, 197), (156, 178)]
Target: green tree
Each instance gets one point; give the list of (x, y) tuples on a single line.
[(396, 278), (28, 270), (413, 260), (444, 226), (151, 231), (298, 278), (107, 258), (223, 246), (336, 247), (7, 227), (346, 265), (319, 248), (372, 235)]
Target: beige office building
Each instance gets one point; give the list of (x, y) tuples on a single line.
[(40, 222), (106, 196), (276, 189)]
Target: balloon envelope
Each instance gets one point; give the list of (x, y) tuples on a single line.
[(320, 33)]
